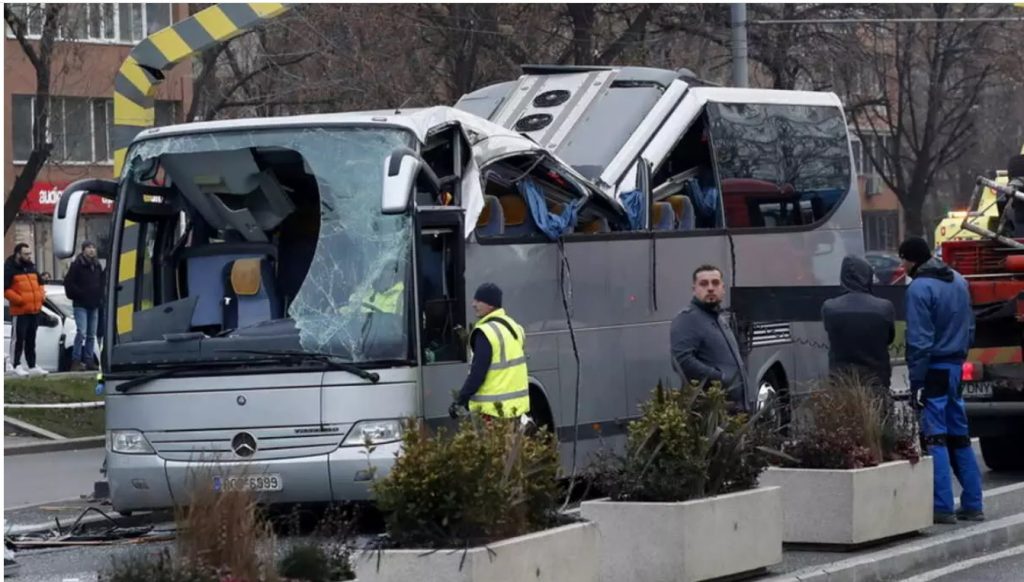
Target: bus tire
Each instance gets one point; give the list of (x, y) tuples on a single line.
[(540, 409), (774, 381), (1003, 453)]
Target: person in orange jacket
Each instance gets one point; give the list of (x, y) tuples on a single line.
[(23, 289)]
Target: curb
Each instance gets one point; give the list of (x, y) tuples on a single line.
[(941, 549), (962, 543), (1005, 500), (93, 442), (31, 428)]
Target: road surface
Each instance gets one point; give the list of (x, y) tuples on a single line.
[(48, 477)]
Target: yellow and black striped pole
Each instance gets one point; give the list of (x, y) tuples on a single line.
[(134, 92)]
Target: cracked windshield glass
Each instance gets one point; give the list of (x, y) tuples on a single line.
[(269, 238)]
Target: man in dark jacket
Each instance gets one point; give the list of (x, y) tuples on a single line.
[(860, 326), (702, 341), (940, 328), (84, 287), (24, 292)]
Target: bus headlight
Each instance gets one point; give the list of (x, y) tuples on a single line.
[(374, 432), (129, 442)]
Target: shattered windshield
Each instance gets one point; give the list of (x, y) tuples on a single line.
[(280, 233)]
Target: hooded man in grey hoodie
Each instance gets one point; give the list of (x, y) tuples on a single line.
[(860, 326)]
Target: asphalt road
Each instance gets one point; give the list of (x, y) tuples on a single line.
[(48, 477)]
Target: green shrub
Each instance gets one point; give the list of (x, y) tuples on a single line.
[(686, 445), (848, 425), (309, 562), (488, 481), (139, 567)]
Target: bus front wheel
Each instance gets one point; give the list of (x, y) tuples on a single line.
[(540, 410)]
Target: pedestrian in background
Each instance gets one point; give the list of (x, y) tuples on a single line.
[(860, 327), (23, 289), (940, 328), (703, 345), (84, 287)]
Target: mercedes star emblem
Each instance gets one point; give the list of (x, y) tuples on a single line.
[(244, 444), (240, 400)]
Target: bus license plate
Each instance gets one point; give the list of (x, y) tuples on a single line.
[(266, 482), (978, 390)]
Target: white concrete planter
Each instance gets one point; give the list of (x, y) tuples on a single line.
[(825, 506), (567, 553), (688, 541)]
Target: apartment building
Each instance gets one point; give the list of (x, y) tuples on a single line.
[(93, 42)]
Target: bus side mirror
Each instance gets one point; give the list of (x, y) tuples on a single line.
[(65, 218), (402, 170)]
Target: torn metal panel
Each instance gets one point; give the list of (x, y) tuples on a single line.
[(489, 141)]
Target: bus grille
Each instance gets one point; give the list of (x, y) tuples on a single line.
[(271, 443)]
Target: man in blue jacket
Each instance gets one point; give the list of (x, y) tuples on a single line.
[(940, 328)]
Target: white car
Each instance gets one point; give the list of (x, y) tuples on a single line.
[(56, 335)]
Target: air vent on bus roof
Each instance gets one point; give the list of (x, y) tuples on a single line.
[(551, 98), (534, 122)]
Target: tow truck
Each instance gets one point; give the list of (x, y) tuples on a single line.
[(991, 258)]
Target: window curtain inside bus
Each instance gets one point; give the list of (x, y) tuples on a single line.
[(552, 225), (633, 201)]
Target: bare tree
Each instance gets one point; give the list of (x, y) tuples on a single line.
[(40, 54), (924, 81), (785, 52)]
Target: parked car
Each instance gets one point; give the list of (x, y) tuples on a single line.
[(56, 336), (888, 268)]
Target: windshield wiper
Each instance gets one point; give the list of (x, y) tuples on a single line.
[(146, 378), (330, 360)]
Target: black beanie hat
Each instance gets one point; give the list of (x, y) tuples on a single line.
[(490, 294), (915, 250)]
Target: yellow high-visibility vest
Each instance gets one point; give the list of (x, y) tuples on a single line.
[(507, 379), (387, 302)]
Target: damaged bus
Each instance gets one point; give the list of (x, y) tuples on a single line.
[(287, 290)]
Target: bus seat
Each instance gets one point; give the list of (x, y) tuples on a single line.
[(682, 207), (204, 268), (251, 294), (662, 218), (596, 226), (492, 218), (558, 208), (517, 216)]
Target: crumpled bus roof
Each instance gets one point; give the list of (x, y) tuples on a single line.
[(490, 142)]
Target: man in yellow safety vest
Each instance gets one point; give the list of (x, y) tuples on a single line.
[(385, 299), (497, 384)]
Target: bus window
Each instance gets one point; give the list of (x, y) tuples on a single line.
[(686, 181), (779, 165)]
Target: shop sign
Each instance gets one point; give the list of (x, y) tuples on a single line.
[(44, 197)]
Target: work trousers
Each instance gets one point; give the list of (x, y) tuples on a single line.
[(944, 432)]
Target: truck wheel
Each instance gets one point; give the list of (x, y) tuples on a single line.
[(1002, 453)]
